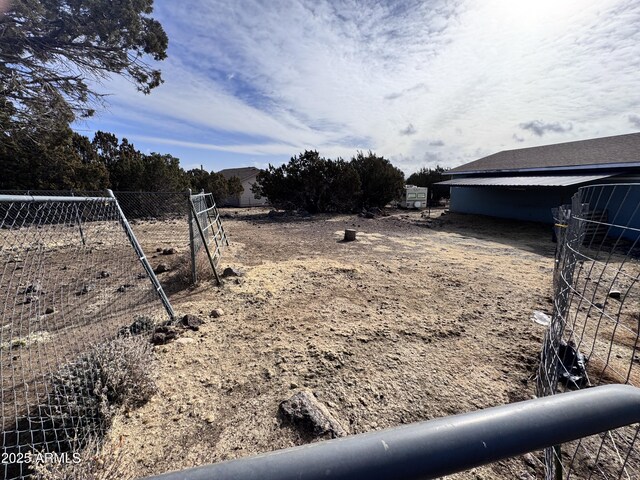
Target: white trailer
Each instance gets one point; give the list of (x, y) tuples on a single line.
[(414, 197)]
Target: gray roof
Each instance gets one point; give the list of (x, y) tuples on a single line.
[(523, 181), (605, 152), (243, 173)]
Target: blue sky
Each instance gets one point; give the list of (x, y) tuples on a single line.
[(420, 82)]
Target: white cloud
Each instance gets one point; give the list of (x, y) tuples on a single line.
[(279, 77), (634, 120), (539, 128), (248, 149)]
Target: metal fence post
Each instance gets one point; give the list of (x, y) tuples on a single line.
[(84, 243), (192, 246), (143, 259)]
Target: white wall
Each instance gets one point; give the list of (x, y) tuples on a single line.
[(247, 198)]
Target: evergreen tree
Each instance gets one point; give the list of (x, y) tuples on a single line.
[(380, 181), (52, 49)]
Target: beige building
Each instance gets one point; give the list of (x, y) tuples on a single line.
[(247, 177)]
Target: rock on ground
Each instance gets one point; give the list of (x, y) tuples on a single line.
[(615, 294), (163, 334), (231, 272), (161, 268), (310, 416), (191, 322)]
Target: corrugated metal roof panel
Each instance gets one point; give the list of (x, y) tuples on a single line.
[(523, 181)]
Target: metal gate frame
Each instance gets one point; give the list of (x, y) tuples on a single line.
[(213, 225)]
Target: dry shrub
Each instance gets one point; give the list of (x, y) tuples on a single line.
[(90, 463), (86, 394), (181, 275), (125, 372)]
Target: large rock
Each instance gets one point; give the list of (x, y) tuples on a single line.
[(310, 416)]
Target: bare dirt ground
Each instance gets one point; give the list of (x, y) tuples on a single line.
[(417, 319)]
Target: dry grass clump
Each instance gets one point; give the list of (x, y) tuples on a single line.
[(180, 277), (91, 463), (86, 394)]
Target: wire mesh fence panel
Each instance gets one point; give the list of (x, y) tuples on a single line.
[(594, 336), (209, 237), (160, 221), (69, 280)]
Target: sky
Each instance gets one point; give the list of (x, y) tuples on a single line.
[(252, 83)]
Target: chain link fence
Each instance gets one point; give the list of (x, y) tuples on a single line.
[(160, 221), (71, 278), (594, 336), (165, 228)]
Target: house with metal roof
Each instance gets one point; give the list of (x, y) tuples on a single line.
[(247, 177), (526, 183)]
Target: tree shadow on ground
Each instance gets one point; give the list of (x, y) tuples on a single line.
[(272, 216)]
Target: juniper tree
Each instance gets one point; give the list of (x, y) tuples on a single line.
[(53, 52)]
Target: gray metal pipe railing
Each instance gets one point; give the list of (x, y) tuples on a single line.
[(442, 446)]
